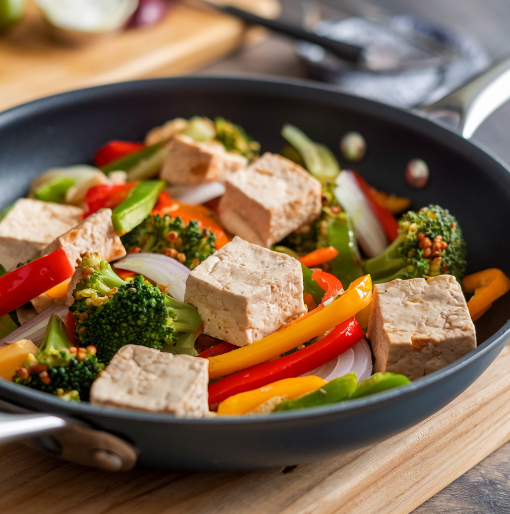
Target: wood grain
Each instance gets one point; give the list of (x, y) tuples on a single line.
[(394, 476), (32, 65)]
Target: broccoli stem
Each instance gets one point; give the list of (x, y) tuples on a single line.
[(186, 316), (55, 337), (387, 262), (403, 274)]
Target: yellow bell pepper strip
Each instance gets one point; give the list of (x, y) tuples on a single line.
[(59, 291), (487, 286), (296, 333), (288, 388)]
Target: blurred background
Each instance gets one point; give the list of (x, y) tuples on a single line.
[(410, 52)]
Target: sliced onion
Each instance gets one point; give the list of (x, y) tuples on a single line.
[(160, 269), (362, 360), (35, 329), (357, 359), (196, 195), (369, 231)]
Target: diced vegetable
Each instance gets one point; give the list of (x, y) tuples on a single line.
[(343, 337), (310, 286), (319, 159), (50, 185), (289, 388), (333, 392), (137, 206), (388, 222), (487, 285), (13, 356), (106, 196), (54, 190), (115, 150), (369, 232), (7, 325), (296, 333), (141, 165), (22, 284), (340, 234), (328, 283), (378, 383)]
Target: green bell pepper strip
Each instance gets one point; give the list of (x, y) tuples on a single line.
[(319, 159), (333, 392), (137, 206), (4, 212), (346, 266), (54, 190), (310, 286), (7, 324), (378, 383), (140, 165)]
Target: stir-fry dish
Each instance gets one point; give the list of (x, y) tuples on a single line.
[(193, 275)]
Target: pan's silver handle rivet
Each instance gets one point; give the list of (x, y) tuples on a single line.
[(353, 146), (107, 460), (417, 173)]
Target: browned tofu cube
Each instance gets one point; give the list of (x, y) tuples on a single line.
[(141, 378), (270, 199), (192, 162), (94, 234), (30, 225), (419, 326)]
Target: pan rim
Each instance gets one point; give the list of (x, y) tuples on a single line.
[(293, 86)]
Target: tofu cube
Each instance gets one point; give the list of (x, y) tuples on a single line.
[(142, 378), (192, 162), (244, 292), (419, 326), (270, 199), (94, 234), (30, 225)]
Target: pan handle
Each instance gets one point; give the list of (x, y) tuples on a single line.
[(66, 438), (469, 105)]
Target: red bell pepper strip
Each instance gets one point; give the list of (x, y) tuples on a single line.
[(343, 337), (218, 349), (388, 222), (25, 283), (115, 150), (328, 282), (106, 196)]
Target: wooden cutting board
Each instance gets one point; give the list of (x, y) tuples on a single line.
[(392, 477), (32, 65)]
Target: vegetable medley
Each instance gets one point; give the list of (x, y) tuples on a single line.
[(192, 275)]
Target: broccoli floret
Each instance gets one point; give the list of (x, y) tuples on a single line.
[(171, 236), (58, 367), (111, 313), (235, 139), (430, 243)]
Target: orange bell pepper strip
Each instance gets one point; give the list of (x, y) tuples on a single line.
[(487, 285), (288, 388), (395, 204), (203, 215), (319, 256), (296, 333), (59, 291)]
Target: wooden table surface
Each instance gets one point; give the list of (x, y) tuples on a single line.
[(485, 489)]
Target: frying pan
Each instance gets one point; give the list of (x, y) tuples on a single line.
[(68, 128)]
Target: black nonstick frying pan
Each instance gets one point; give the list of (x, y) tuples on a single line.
[(68, 129)]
